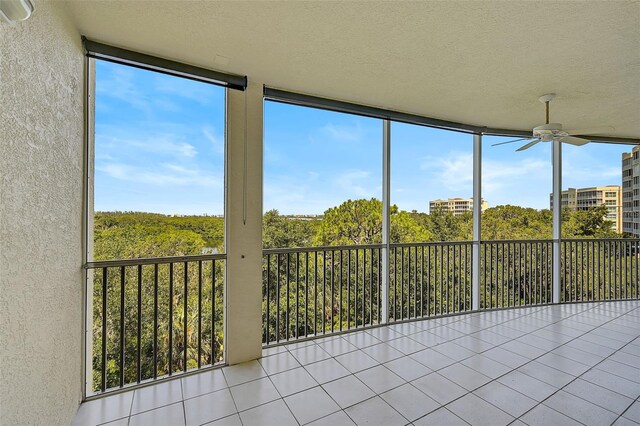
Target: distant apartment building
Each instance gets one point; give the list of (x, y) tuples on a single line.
[(304, 216), (585, 198), (457, 206), (631, 192)]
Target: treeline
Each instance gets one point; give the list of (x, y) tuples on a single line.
[(137, 234), (360, 222), (124, 235)]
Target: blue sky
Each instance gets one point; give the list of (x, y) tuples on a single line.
[(160, 148), (159, 142)]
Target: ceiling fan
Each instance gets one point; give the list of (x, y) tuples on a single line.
[(553, 131)]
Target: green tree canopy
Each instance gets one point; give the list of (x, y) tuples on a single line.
[(139, 241), (352, 222), (516, 223), (587, 223), (280, 231), (360, 222)]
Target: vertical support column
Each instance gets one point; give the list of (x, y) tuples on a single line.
[(243, 224), (477, 218), (88, 213), (386, 221), (557, 218)]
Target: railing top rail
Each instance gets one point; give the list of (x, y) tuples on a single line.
[(626, 240), (284, 250), (320, 248), (547, 240), (432, 243), (152, 260)]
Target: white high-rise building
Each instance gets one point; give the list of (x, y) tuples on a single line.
[(631, 191), (586, 198), (457, 206)]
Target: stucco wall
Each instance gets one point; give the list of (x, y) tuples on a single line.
[(41, 140)]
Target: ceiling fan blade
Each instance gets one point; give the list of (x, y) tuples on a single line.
[(572, 140), (601, 130), (529, 145), (515, 140)]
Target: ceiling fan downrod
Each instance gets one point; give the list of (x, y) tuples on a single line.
[(545, 99), (546, 104)]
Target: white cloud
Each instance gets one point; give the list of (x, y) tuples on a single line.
[(498, 174), (165, 175), (294, 197), (165, 145), (454, 171), (271, 155), (592, 165), (525, 182), (201, 93), (582, 169), (297, 194), (352, 132), (101, 156), (354, 183), (519, 181), (217, 142), (160, 144), (119, 84)]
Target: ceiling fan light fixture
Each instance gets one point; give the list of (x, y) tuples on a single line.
[(13, 11)]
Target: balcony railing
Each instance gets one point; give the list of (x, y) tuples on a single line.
[(600, 269), (153, 318), (515, 273), (427, 279), (318, 290)]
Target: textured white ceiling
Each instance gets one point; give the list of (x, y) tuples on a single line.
[(482, 63)]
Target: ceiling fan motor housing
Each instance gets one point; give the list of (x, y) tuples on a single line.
[(547, 132)]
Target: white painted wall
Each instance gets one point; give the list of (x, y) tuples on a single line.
[(41, 146)]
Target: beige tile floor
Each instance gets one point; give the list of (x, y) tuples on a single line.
[(552, 365)]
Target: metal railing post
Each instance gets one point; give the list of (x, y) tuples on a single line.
[(557, 219), (477, 217), (386, 222)]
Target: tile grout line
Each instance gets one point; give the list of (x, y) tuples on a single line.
[(184, 412), (131, 407), (280, 395), (404, 355), (575, 378), (350, 374), (514, 369), (243, 383), (533, 359), (621, 415), (435, 371)]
